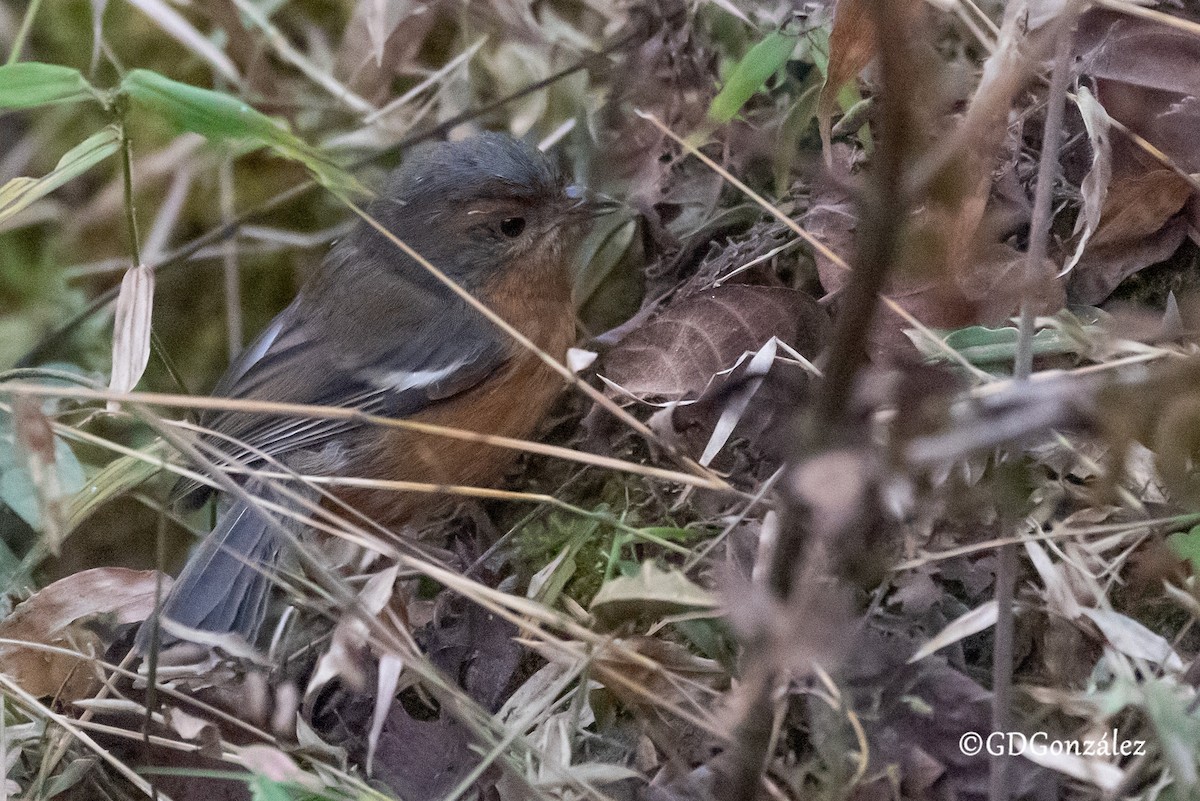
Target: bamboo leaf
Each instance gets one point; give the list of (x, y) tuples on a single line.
[(764, 60), (982, 617), (219, 116), (30, 83), (119, 477), (131, 329), (19, 193)]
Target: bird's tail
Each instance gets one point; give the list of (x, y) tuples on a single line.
[(225, 585)]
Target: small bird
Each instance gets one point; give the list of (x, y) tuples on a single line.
[(373, 330)]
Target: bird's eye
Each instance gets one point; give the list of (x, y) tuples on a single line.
[(512, 226)]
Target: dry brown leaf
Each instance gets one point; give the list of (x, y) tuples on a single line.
[(676, 354), (56, 616), (1136, 230), (851, 47), (1140, 206), (1147, 76), (345, 657), (1137, 51), (1173, 130), (852, 44), (833, 219)]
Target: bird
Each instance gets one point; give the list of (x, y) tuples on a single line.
[(374, 331)]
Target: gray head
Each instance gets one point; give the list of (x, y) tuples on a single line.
[(471, 206)]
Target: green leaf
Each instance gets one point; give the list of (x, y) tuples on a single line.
[(1186, 545), (20, 192), (712, 637), (219, 116), (10, 566), (30, 83), (650, 591), (264, 789), (981, 345), (119, 477), (213, 114), (764, 60), (75, 772)]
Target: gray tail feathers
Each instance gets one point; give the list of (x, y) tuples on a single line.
[(225, 585)]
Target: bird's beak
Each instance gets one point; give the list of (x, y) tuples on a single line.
[(586, 204)]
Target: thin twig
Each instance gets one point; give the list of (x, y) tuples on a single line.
[(1000, 788), (234, 335), (795, 567), (127, 183), (26, 25)]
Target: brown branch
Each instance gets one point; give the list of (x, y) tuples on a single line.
[(804, 572), (883, 210)]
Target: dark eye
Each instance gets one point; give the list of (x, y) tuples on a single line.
[(512, 226)]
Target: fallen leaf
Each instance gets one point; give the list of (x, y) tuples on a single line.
[(756, 370), (347, 648), (1136, 230), (651, 591), (55, 616), (1173, 130), (1059, 596), (950, 275), (1143, 52), (676, 354), (1139, 206), (744, 404), (1095, 184), (423, 751)]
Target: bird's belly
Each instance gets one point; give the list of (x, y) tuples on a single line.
[(509, 404)]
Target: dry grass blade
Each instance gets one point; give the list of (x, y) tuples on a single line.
[(290, 54), (434, 78), (341, 413), (1153, 14), (816, 244), (176, 26), (34, 707), (517, 610), (1057, 533)]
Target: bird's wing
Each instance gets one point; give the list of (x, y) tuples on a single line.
[(421, 362)]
